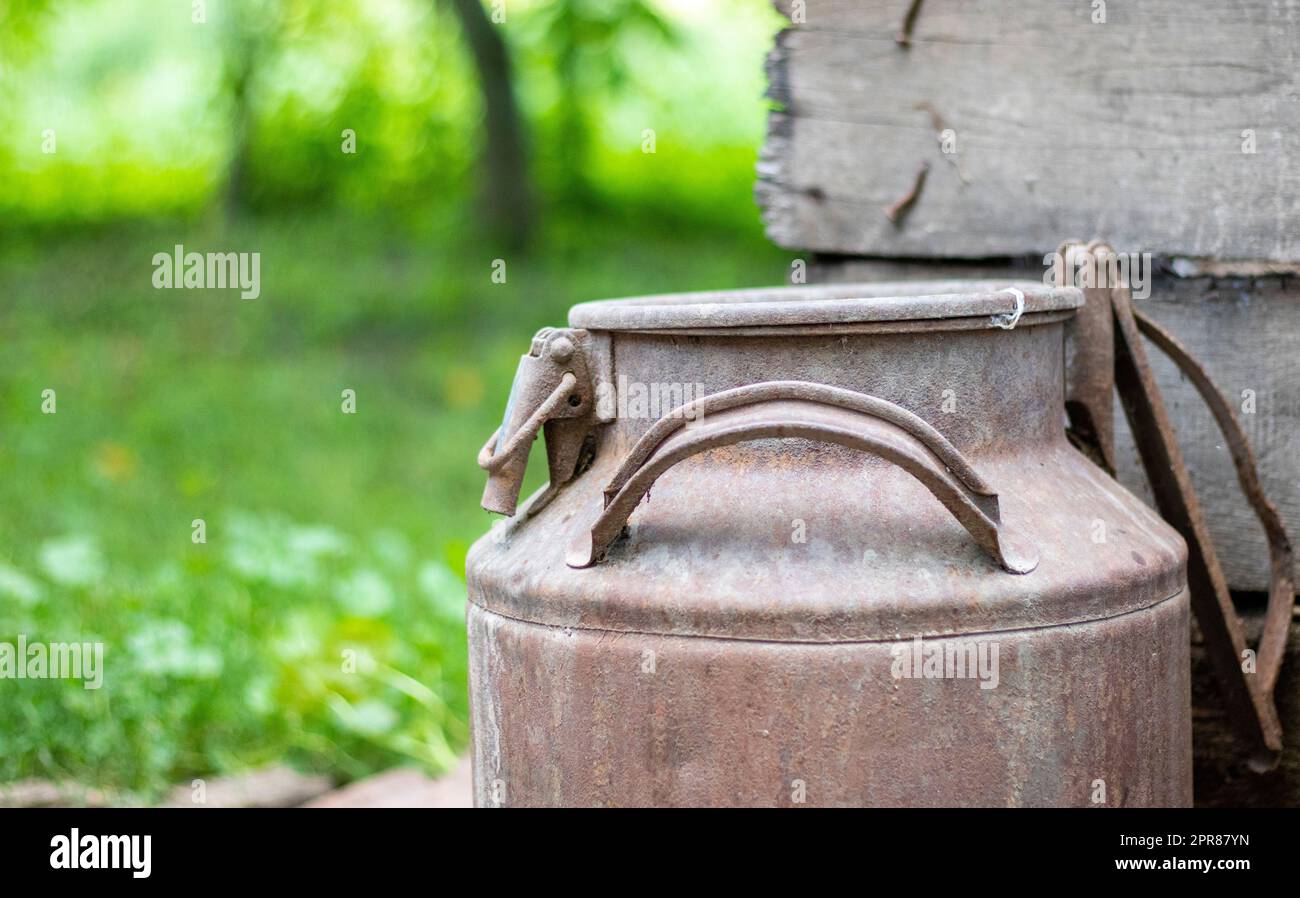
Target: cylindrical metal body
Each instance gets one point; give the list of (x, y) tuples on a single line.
[(792, 621)]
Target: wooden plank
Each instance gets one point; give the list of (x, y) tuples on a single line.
[(1247, 333), (1131, 129)]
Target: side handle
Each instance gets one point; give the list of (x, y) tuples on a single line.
[(795, 409)]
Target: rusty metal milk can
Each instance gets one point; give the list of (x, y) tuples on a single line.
[(823, 546)]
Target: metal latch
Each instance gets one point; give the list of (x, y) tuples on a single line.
[(553, 390)]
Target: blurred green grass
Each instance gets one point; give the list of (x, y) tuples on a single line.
[(327, 533), (322, 622)]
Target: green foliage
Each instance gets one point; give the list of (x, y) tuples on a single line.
[(326, 533), (586, 44), (156, 114), (323, 618)]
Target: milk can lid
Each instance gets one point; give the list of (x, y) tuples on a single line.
[(978, 303)]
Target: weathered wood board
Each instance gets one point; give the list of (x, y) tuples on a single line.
[(1247, 333), (1132, 129)]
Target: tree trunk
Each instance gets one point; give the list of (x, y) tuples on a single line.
[(507, 200), (234, 198)]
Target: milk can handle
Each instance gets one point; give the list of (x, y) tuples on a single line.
[(797, 409)]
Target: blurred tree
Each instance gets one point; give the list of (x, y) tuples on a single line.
[(507, 196), (20, 22), (588, 40), (250, 30), (20, 33)]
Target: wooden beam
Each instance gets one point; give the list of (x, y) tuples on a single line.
[(1131, 129)]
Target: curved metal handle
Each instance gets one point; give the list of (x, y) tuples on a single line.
[(795, 409), (1281, 592)]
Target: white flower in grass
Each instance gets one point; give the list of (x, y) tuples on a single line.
[(259, 697), (443, 588), (315, 541), (369, 717), (166, 648), (72, 561), (392, 548), (366, 593), (299, 638), (18, 586), (262, 548)]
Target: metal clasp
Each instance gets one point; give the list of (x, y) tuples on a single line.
[(553, 392)]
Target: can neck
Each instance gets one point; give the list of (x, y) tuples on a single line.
[(985, 390)]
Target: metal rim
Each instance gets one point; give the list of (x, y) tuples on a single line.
[(899, 301)]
